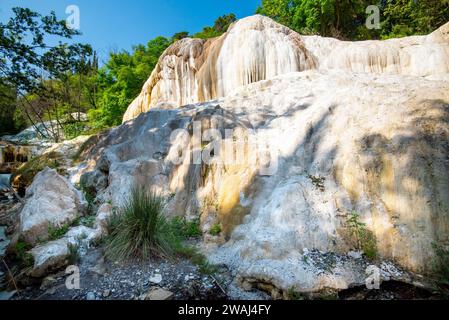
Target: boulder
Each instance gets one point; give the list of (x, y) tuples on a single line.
[(51, 201), (49, 257)]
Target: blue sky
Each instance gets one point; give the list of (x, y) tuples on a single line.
[(112, 25)]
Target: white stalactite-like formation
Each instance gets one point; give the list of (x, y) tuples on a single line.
[(257, 48)]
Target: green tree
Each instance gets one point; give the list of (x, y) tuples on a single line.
[(408, 17), (220, 26), (121, 80), (180, 35), (28, 62)]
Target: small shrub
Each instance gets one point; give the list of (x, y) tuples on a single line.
[(361, 238), (90, 195), (318, 182), (74, 255), (185, 229), (87, 221), (24, 257), (55, 233), (73, 130), (140, 230), (292, 294), (215, 230)]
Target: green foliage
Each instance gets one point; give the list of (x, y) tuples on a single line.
[(74, 255), (292, 294), (407, 17), (197, 258), (318, 182), (185, 229), (87, 221), (121, 80), (140, 230), (346, 19), (220, 26), (90, 194), (26, 172), (361, 238), (441, 264), (73, 130), (26, 54), (215, 230), (55, 232), (21, 252)]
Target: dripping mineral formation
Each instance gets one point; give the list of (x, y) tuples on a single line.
[(360, 129), (257, 48)]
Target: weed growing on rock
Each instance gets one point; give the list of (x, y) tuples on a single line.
[(55, 233), (292, 294), (318, 182), (215, 230), (360, 237), (24, 257), (185, 229), (74, 255)]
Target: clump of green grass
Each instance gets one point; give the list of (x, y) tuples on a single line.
[(197, 258), (87, 221), (74, 255), (139, 231), (215, 230), (185, 229), (22, 254), (55, 233), (361, 238)]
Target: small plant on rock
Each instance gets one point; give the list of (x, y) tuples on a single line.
[(55, 233), (215, 230), (361, 238), (74, 254)]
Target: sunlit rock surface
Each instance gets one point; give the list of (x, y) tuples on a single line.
[(352, 128), (257, 48), (375, 145), (51, 202)]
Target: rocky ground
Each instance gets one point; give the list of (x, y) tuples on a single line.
[(101, 279), (104, 280)]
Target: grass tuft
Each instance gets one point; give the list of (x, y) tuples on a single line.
[(139, 231)]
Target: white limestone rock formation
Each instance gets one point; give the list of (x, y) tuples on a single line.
[(257, 48), (346, 142), (51, 201)]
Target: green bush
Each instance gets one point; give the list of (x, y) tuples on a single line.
[(361, 238), (185, 229), (215, 230), (73, 130), (139, 231)]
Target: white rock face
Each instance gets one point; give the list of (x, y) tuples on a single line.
[(378, 144), (352, 127), (257, 48), (53, 254), (50, 201)]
